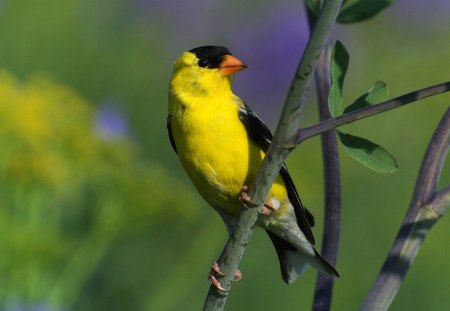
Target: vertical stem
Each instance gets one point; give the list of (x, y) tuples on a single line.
[(330, 243), (276, 155)]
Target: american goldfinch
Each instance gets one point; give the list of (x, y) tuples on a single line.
[(221, 144)]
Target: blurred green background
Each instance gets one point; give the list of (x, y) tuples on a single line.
[(95, 210)]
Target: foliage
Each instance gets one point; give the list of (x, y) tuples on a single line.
[(363, 150)]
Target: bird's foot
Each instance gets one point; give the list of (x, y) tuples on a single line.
[(267, 208), (216, 273), (216, 270)]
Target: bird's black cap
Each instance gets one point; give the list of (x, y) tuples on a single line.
[(210, 56)]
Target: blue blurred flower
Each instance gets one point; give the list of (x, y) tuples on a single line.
[(110, 121), (38, 307)]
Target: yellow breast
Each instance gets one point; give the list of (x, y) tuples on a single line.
[(215, 150), (211, 141)]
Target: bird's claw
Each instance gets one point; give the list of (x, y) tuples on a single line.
[(212, 279), (245, 198), (266, 210), (216, 273), (215, 268), (237, 276)]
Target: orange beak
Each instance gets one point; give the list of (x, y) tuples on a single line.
[(230, 65)]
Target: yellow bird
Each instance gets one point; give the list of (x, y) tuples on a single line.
[(221, 144)]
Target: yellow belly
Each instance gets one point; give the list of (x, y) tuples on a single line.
[(218, 155)]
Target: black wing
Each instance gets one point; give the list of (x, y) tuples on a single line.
[(169, 130), (261, 134)]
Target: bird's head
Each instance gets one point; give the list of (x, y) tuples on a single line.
[(206, 69)]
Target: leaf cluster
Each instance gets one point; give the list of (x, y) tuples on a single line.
[(361, 149)]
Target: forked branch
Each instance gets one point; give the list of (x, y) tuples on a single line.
[(317, 129), (427, 205)]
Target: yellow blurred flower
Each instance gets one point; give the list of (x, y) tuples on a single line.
[(67, 191)]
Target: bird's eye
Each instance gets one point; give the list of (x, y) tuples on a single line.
[(203, 63)]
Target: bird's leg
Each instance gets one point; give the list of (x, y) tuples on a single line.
[(267, 208), (216, 273)]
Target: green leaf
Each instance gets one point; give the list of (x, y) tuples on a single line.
[(377, 93), (338, 69), (361, 10), (368, 153)]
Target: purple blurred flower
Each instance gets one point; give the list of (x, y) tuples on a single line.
[(271, 42), (272, 46), (110, 122), (414, 8), (189, 21)]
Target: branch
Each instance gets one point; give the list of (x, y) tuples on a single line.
[(288, 124), (330, 243), (441, 200), (316, 129), (421, 216)]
